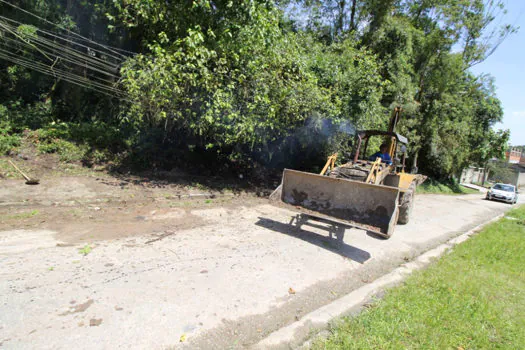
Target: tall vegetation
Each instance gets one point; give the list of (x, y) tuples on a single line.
[(280, 83)]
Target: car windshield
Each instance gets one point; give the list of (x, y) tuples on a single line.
[(507, 188)]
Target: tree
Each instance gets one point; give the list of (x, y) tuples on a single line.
[(254, 80)]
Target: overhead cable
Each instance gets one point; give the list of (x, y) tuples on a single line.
[(58, 73), (107, 47), (119, 59)]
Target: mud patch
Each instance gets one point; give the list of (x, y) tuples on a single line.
[(169, 215), (95, 322), (78, 308), (114, 224)]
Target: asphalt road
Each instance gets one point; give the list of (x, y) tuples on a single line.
[(225, 284)]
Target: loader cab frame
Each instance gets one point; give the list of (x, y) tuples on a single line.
[(393, 140)]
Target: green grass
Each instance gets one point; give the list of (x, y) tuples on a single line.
[(435, 187), (473, 298), (85, 250), (24, 215)]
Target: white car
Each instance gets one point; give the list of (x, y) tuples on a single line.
[(502, 192)]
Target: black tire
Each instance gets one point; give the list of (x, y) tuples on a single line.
[(406, 203), (349, 173)]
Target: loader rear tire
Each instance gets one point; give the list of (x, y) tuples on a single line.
[(406, 204), (349, 173)]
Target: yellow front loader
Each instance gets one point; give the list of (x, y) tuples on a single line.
[(367, 193)]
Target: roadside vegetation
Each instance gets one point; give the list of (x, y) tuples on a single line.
[(486, 185), (472, 298), (431, 186), (238, 86)]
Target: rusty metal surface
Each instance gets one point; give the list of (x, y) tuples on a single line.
[(372, 207)]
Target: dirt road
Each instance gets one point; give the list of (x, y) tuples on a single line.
[(88, 265)]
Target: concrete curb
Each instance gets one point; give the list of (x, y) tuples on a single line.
[(475, 187), (297, 333)]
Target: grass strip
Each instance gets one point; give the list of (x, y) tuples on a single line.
[(432, 186), (472, 298)]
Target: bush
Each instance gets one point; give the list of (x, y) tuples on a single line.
[(8, 140), (68, 151), (73, 142), (8, 143)]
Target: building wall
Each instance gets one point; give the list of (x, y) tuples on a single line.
[(472, 175), (520, 181), (513, 156)]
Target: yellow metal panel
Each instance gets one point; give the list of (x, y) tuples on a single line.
[(405, 180), (330, 163), (392, 144)]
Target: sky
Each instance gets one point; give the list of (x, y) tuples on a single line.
[(507, 66)]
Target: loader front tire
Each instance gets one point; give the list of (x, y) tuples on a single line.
[(349, 173), (406, 204)]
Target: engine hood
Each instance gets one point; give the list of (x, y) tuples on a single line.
[(502, 193)]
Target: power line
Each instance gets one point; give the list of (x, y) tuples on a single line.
[(58, 58), (107, 47), (63, 58), (67, 76), (19, 37), (76, 57), (120, 59)]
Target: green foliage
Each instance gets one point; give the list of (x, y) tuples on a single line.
[(248, 97), (247, 82), (20, 116), (85, 250), (472, 298), (68, 152), (8, 140), (27, 32), (194, 93), (90, 143), (501, 171), (431, 186)]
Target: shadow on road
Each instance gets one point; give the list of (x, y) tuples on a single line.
[(333, 243)]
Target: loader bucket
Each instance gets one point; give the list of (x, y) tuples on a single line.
[(371, 207)]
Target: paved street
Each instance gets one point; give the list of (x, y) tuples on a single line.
[(240, 275)]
